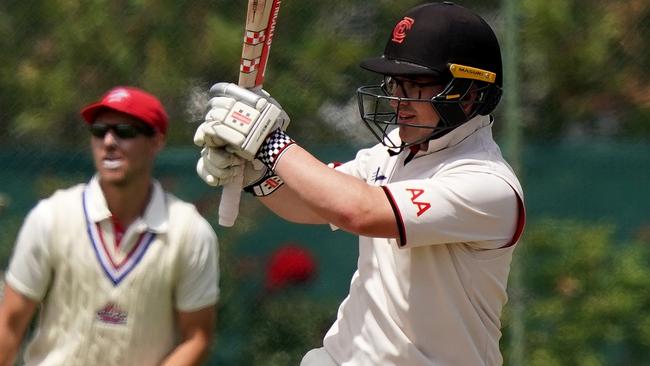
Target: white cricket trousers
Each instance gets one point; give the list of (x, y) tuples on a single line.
[(318, 357)]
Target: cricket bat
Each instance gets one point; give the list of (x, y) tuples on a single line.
[(261, 18)]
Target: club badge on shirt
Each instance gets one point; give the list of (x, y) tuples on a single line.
[(112, 314)]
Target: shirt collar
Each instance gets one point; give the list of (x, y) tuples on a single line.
[(458, 134), (155, 215)]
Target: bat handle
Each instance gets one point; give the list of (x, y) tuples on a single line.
[(230, 196)]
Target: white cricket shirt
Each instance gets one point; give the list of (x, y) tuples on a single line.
[(433, 297), (104, 305)]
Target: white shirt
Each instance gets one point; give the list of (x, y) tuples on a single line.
[(108, 305), (435, 295)]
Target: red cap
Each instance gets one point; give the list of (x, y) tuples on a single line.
[(132, 101)]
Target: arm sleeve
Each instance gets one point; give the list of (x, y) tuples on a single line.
[(198, 284), (30, 268), (467, 207)]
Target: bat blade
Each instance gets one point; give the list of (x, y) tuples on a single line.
[(261, 18)]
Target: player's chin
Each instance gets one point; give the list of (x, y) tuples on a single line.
[(410, 135), (112, 176)]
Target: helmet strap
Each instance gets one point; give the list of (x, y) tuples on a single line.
[(449, 103)]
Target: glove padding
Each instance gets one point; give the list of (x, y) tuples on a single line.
[(218, 167), (240, 119)]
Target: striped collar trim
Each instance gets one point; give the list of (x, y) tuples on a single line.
[(115, 271)]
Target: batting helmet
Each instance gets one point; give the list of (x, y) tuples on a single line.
[(444, 42)]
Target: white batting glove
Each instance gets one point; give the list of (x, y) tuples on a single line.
[(219, 108), (218, 167), (283, 118), (240, 119)]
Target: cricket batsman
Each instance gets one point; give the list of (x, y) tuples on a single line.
[(437, 209)]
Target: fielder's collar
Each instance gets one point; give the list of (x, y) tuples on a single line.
[(155, 215)]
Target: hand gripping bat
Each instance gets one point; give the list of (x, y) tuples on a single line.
[(261, 19)]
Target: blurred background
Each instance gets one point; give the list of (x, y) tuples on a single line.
[(574, 122)]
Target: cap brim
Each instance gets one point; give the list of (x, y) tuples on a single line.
[(382, 65), (90, 111)]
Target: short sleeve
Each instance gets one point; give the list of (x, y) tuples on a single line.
[(464, 207), (30, 268), (198, 285)]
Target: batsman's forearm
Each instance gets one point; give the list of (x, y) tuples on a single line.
[(285, 203), (340, 199)]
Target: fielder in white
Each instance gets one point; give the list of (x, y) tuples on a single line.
[(124, 272), (437, 209)]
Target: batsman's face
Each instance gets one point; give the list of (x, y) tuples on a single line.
[(416, 118), (122, 153)]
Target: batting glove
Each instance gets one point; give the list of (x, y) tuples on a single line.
[(240, 119), (218, 167)]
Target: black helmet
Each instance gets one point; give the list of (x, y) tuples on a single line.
[(444, 42)]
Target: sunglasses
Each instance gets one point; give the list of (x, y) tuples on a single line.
[(121, 130)]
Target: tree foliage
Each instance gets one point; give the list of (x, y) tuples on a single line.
[(586, 296), (584, 61), (585, 67)]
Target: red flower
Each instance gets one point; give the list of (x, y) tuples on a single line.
[(289, 265)]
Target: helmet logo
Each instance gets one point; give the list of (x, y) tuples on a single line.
[(403, 26)]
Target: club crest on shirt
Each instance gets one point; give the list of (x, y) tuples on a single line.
[(112, 314)]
